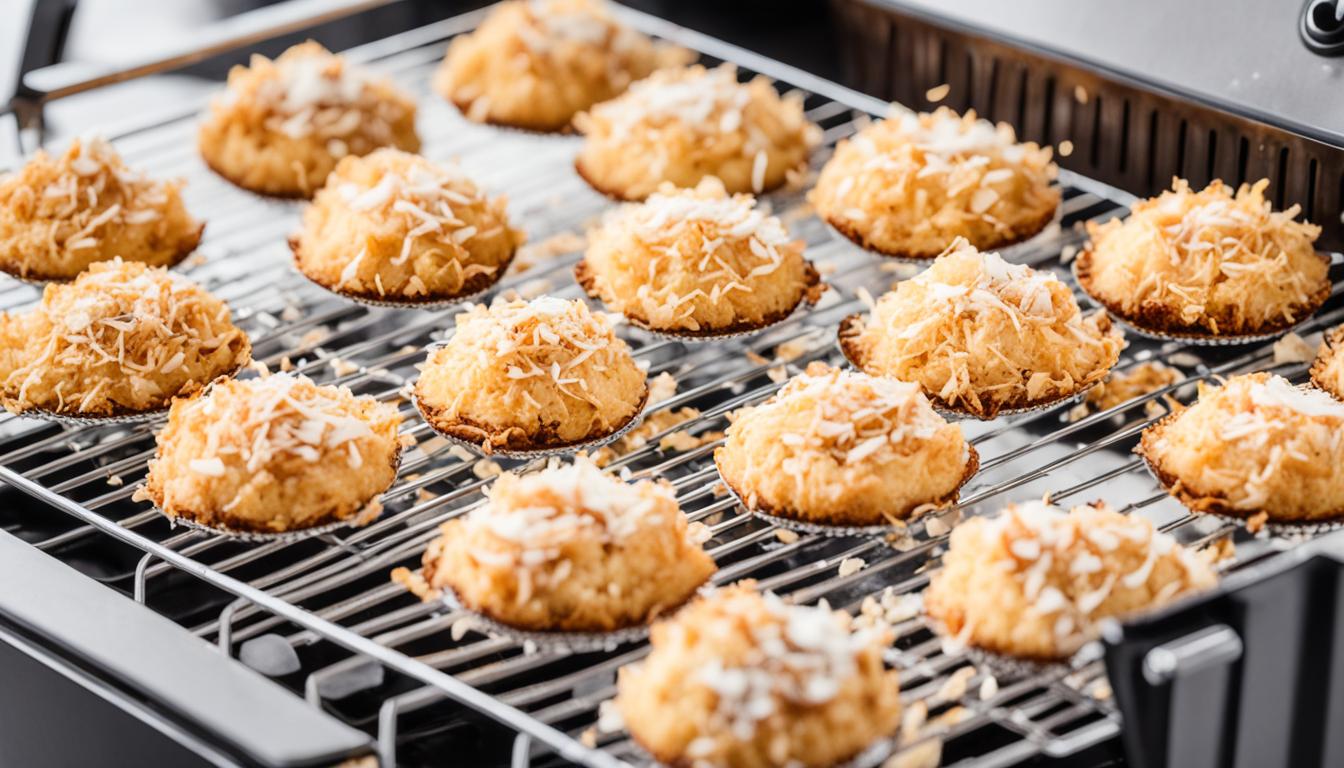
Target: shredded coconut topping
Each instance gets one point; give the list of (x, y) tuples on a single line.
[(916, 179), (857, 414), (1061, 561), (724, 244), (800, 655), (424, 196), (535, 515), (974, 329), (309, 91), (706, 101), (259, 420), (146, 323), (1259, 441), (1215, 258), (93, 192)]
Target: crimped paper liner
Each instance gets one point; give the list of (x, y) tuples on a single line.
[(824, 529), (952, 413), (559, 450), (870, 756), (1291, 531), (1013, 667), (259, 537), (287, 537), (811, 294), (1193, 339), (406, 304), (93, 421), (574, 642), (1007, 252), (138, 417)]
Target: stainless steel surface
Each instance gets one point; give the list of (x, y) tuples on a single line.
[(337, 597)]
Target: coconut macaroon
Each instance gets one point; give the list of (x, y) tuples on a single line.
[(59, 215), (122, 339), (697, 262), (739, 678), (908, 185), (844, 448), (570, 548), (1034, 582), (534, 65), (274, 454), (392, 226), (681, 125), (981, 335), (523, 376), (1257, 447), (1206, 263), (1327, 372), (281, 126)]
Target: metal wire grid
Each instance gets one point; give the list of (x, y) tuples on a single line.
[(333, 596)]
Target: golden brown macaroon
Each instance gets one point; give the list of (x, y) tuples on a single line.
[(1327, 372), (571, 549), (274, 454), (1206, 263), (681, 125), (981, 335), (1034, 581), (59, 215), (908, 185), (534, 65), (523, 376), (1256, 445), (697, 263), (281, 126), (122, 339), (742, 679), (844, 448), (392, 226)]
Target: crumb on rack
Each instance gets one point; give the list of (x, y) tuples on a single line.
[(851, 565), (1294, 349)]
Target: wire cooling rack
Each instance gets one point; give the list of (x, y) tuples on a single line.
[(411, 672)]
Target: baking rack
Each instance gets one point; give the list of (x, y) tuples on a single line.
[(403, 669)]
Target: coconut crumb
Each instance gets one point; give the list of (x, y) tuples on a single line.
[(926, 754), (1293, 349), (937, 93), (786, 536), (486, 468), (415, 583), (851, 565), (1255, 523)]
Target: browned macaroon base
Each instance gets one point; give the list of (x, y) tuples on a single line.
[(622, 198), (532, 129), (669, 760), (222, 520), (513, 440), (474, 285), (1165, 321), (840, 520), (850, 329), (159, 408), (1331, 345), (997, 652), (1018, 234), (813, 288), (180, 256), (1209, 504), (564, 624), (285, 195)]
